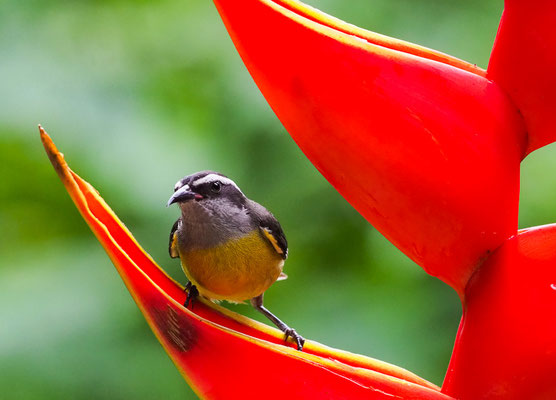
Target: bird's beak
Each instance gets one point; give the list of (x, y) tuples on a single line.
[(182, 194)]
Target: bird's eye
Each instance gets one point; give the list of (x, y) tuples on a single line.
[(215, 187)]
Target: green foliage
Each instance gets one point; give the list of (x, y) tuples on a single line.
[(139, 94)]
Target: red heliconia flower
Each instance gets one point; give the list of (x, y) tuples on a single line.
[(428, 148)]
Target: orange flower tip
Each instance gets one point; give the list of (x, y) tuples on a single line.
[(55, 157), (47, 142)]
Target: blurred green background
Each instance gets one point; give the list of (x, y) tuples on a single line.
[(138, 94)]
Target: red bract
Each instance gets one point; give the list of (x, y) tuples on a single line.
[(224, 355), (423, 145), (506, 347)]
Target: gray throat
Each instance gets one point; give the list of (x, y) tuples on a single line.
[(212, 223)]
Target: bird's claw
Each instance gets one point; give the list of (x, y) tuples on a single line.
[(298, 339), (192, 294)]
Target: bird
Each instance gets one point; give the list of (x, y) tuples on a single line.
[(230, 247)]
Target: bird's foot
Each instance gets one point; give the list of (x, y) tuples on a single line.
[(298, 339), (192, 293), (257, 302)]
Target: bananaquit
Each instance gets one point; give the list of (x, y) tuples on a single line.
[(231, 248)]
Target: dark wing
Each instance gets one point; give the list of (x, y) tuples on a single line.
[(276, 237), (270, 228), (173, 244)]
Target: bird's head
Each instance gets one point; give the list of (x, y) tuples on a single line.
[(209, 189)]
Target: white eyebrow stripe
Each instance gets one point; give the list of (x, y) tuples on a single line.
[(179, 185), (214, 178)]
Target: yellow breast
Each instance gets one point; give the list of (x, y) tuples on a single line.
[(236, 271)]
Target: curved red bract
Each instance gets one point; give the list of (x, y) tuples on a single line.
[(425, 150), (221, 354), (506, 347)]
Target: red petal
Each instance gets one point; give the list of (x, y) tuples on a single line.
[(523, 62), (224, 355), (428, 152), (506, 346)]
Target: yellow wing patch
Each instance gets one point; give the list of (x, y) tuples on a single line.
[(174, 246), (268, 234)]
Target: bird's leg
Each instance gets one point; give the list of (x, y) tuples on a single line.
[(192, 294), (257, 302)]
